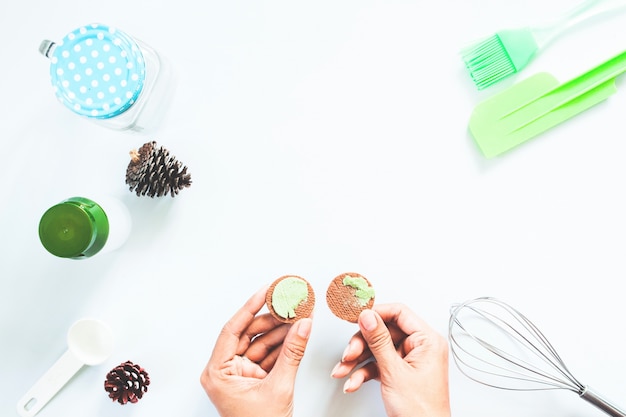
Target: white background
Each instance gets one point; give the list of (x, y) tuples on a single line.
[(322, 137)]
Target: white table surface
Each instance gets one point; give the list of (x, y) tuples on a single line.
[(322, 137)]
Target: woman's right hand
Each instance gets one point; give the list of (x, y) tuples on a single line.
[(410, 360)]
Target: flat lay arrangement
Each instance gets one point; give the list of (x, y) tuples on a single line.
[(182, 182)]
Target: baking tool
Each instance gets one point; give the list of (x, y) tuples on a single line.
[(90, 342), (494, 344), (539, 103), (509, 51)]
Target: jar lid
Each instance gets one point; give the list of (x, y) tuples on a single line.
[(74, 228), (97, 71)]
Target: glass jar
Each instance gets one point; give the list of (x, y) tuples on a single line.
[(105, 75), (78, 227)]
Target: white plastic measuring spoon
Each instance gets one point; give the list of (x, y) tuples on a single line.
[(90, 342)]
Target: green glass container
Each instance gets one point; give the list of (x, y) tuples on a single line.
[(76, 228)]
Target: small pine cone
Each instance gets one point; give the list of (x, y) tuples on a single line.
[(153, 171), (127, 382)]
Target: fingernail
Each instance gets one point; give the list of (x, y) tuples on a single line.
[(335, 369), (347, 386), (304, 328), (368, 320), (346, 352)]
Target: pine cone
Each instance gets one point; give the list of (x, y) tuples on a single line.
[(153, 171), (127, 382)]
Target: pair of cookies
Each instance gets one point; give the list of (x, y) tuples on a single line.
[(291, 297)]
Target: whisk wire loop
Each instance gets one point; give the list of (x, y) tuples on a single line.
[(504, 344), (495, 345)]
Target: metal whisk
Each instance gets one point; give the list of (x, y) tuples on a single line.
[(496, 345)]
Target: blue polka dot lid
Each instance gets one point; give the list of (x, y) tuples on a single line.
[(97, 71)]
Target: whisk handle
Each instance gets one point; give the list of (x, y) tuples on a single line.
[(594, 398)]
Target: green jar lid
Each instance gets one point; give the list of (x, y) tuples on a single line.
[(75, 228)]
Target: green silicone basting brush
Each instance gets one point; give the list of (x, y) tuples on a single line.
[(509, 51)]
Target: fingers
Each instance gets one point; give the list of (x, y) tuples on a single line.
[(374, 339), (400, 322), (261, 324), (393, 336), (357, 351), (241, 366), (292, 351), (434, 345), (378, 338), (361, 376), (267, 363), (265, 343), (228, 339), (402, 317)]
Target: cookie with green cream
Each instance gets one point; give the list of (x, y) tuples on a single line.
[(290, 298), (348, 294)]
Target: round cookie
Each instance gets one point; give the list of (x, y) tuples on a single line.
[(290, 298), (349, 294)]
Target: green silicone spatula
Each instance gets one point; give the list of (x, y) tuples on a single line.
[(539, 103)]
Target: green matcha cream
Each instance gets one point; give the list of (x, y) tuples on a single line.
[(287, 296), (364, 293)]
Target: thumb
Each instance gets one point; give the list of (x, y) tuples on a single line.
[(292, 350), (378, 338)]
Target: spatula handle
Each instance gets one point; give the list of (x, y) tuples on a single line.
[(608, 70), (597, 78)]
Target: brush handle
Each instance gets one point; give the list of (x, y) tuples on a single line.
[(547, 32), (594, 398)]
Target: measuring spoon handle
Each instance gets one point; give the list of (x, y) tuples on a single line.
[(49, 384)]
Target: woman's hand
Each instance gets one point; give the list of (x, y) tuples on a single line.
[(408, 357), (254, 363)]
